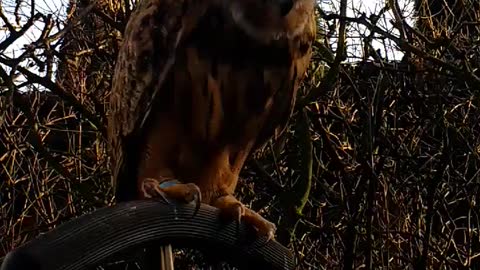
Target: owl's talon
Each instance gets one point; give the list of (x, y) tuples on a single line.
[(197, 198), (235, 210), (171, 191), (268, 230), (151, 190)]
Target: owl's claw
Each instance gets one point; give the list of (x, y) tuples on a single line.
[(171, 191), (151, 190), (231, 207), (197, 197)]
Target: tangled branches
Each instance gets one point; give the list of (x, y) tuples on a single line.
[(379, 167)]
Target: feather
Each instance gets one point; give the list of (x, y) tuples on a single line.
[(195, 91)]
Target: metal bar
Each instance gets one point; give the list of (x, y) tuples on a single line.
[(166, 257)]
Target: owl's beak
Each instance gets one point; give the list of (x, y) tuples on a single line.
[(285, 6)]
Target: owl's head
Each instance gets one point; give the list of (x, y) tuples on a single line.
[(267, 20)]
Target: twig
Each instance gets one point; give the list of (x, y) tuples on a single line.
[(332, 74)]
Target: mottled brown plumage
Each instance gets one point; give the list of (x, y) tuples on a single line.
[(198, 84)]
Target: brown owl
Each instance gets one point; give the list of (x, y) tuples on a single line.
[(198, 85)]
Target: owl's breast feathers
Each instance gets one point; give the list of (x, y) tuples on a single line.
[(187, 60)]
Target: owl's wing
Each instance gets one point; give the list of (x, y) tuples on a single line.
[(150, 41)]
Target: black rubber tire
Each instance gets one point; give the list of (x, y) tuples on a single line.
[(90, 239)]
